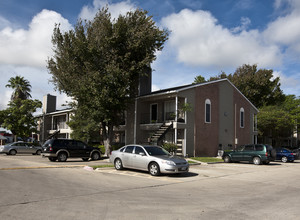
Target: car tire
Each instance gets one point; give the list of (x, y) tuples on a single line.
[(52, 159), (62, 157), (118, 164), (12, 152), (95, 156), (85, 159), (284, 159), (154, 169), (256, 160), (38, 152), (227, 159)]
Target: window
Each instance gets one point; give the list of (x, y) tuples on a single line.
[(139, 150), (207, 111), (249, 147), (254, 122), (129, 149), (242, 117)]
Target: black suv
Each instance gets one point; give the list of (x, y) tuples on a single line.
[(61, 149)]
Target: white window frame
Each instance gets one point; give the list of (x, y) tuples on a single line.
[(207, 102), (242, 118)]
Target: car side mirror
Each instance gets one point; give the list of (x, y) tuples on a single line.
[(142, 154)]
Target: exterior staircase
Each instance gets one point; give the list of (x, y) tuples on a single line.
[(160, 133)]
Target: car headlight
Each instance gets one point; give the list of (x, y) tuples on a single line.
[(1, 148), (169, 162)]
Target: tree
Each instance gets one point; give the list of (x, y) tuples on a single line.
[(21, 87), (258, 86), (18, 117), (279, 122), (199, 79), (99, 64)]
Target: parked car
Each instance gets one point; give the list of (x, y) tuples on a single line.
[(62, 149), (154, 159), (20, 148), (256, 153), (285, 155)]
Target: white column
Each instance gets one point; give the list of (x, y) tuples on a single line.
[(176, 117)]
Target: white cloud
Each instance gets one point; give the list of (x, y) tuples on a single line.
[(289, 84), (30, 47), (88, 12), (201, 41), (285, 30)]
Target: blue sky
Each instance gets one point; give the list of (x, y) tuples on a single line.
[(206, 37)]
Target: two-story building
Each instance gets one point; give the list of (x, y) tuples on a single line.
[(218, 115), (53, 122)]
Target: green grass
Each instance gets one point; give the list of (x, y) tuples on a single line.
[(102, 166), (191, 162), (207, 159)]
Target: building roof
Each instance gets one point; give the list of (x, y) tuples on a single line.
[(190, 86)]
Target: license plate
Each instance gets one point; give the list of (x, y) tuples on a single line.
[(182, 168)]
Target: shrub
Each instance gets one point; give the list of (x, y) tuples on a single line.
[(172, 148)]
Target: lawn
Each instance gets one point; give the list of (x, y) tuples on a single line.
[(207, 159)]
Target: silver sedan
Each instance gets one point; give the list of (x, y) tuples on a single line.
[(20, 148), (154, 159)]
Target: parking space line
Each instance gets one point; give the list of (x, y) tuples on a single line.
[(141, 175), (40, 167)]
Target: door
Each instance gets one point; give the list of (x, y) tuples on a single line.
[(248, 152), (82, 149), (30, 148), (153, 113), (127, 156), (140, 159), (238, 154)]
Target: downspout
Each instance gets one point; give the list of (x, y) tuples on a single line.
[(176, 117), (135, 120), (235, 140)]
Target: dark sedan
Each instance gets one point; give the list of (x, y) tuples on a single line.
[(285, 155)]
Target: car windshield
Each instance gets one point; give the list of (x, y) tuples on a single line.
[(156, 151)]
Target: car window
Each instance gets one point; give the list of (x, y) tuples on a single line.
[(240, 148), (129, 149), (80, 145), (259, 147), (249, 148), (139, 150), (122, 149), (156, 151)]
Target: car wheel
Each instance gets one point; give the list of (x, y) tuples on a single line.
[(154, 169), (284, 159), (52, 159), (118, 164), (12, 152), (38, 152), (95, 156), (85, 159), (256, 160), (227, 159), (62, 157)]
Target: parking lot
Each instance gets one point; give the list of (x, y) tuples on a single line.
[(32, 186)]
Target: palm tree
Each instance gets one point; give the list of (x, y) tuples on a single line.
[(21, 87)]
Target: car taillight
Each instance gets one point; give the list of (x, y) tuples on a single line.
[(267, 154), (50, 148)]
